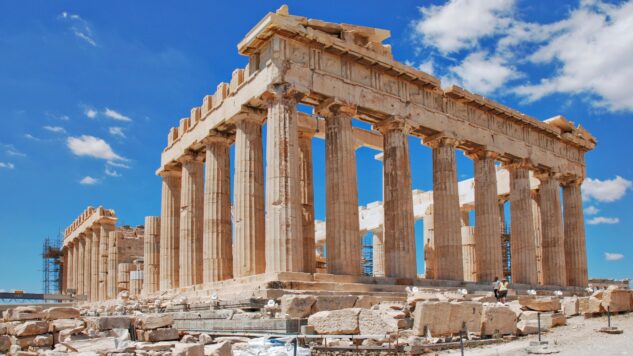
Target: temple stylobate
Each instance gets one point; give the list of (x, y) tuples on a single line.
[(346, 73)]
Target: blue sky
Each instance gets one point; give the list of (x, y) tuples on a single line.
[(89, 91)]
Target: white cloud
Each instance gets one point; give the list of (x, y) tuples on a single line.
[(591, 210), (91, 113), (91, 146), (116, 131), (118, 164), (80, 27), (483, 73), (56, 129), (607, 190), (88, 180), (427, 67), (10, 150), (31, 137), (613, 256), (462, 23), (602, 220), (7, 165), (111, 172), (114, 115)]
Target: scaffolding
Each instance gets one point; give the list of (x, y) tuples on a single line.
[(506, 250), (367, 256), (52, 265)]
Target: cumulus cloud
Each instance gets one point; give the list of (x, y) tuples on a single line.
[(482, 73), (602, 220), (56, 129), (90, 113), (88, 180), (591, 210), (80, 27), (31, 137), (115, 115), (116, 131), (613, 256), (7, 165), (607, 190), (91, 146)]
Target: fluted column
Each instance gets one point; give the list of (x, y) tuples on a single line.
[(523, 248), (191, 219), (538, 237), (430, 266), (76, 265), (553, 238), (249, 236), (81, 265), (398, 228), (94, 263), (284, 241), (151, 253), (446, 213), (113, 263), (575, 248), (70, 268), (378, 253), (103, 260), (217, 244), (487, 226), (343, 247), (88, 264), (170, 230), (307, 201)]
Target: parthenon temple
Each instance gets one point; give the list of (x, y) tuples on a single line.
[(264, 239)]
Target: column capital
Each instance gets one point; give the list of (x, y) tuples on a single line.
[(250, 114), (545, 174), (571, 180), (282, 92), (440, 139), (481, 153), (519, 163), (172, 172), (392, 123), (332, 107), (189, 156), (216, 136)]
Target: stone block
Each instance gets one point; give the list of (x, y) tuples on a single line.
[(23, 313), (548, 320), (422, 296), (35, 340), (109, 322), (295, 306), (30, 328), (64, 334), (219, 349), (446, 318), (43, 340), (337, 322), (205, 339), (333, 302), (616, 300), (570, 306), (153, 321), (162, 334), (63, 324), (101, 345), (542, 304), (5, 343), (188, 350), (374, 322), (498, 319), (590, 305), (61, 313)]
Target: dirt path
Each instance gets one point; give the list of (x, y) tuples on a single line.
[(577, 338)]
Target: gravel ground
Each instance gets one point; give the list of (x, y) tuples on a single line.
[(577, 338)]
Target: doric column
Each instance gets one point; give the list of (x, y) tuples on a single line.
[(76, 265), (487, 226), (446, 213), (342, 245), (398, 226), (151, 253), (191, 219), (553, 238), (469, 253), (378, 253), (81, 266), (249, 235), (575, 248), (113, 263), (64, 269), (94, 263), (217, 244), (538, 237), (523, 248), (429, 245), (284, 241), (170, 230), (307, 201), (70, 268), (88, 263), (103, 260)]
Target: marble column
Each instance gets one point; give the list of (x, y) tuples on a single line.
[(76, 265), (151, 255), (469, 254), (81, 244), (191, 219), (523, 248), (429, 245), (553, 237), (307, 201), (70, 247), (378, 253), (103, 260), (170, 230), (398, 228), (217, 244), (94, 263), (88, 263), (574, 229), (250, 234), (284, 240), (113, 263), (342, 245), (538, 237), (447, 234), (487, 226)]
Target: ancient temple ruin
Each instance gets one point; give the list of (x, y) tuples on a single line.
[(265, 242)]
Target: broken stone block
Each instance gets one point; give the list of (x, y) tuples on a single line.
[(188, 339), (5, 343), (161, 334), (498, 319), (333, 302), (63, 324), (205, 339), (219, 349), (548, 320), (368, 301), (297, 306), (26, 341), (61, 313), (21, 313), (616, 300), (158, 346), (188, 350), (101, 345), (542, 304), (372, 322), (43, 340), (30, 328), (65, 333), (109, 322), (422, 296), (590, 305), (154, 321), (570, 306), (337, 322), (446, 318)]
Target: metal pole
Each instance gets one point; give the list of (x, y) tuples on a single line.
[(461, 341), (538, 315), (609, 316)]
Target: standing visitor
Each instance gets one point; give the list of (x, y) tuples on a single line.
[(495, 287), (503, 290)]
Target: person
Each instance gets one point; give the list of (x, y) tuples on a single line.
[(495, 287), (503, 290)]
